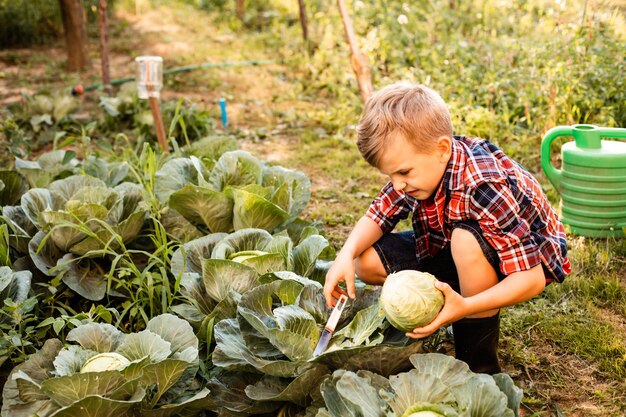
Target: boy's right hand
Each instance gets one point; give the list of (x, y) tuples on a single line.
[(341, 270)]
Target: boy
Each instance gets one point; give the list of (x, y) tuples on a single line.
[(481, 223)]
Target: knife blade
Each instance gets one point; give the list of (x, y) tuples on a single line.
[(331, 324)]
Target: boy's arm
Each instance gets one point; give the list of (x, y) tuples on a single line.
[(517, 287), (365, 234)]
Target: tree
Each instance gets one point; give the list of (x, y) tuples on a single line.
[(73, 16)]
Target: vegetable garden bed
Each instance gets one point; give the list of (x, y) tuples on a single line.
[(92, 264)]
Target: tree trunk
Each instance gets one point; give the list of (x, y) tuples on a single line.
[(359, 60), (240, 9), (75, 30), (303, 21), (104, 47)]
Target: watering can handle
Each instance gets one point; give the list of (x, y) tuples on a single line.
[(553, 174)]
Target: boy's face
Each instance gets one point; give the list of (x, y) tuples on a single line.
[(416, 172)]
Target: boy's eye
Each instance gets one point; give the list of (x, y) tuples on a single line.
[(403, 172)]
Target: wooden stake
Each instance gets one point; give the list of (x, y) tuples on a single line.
[(240, 9), (158, 124), (358, 59), (303, 22), (104, 47)]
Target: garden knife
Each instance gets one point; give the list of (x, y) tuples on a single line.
[(330, 325)]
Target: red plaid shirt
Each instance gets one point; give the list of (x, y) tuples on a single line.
[(482, 184)]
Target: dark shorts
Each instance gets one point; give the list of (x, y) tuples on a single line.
[(397, 253)]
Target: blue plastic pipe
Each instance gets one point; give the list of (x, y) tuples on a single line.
[(224, 114)]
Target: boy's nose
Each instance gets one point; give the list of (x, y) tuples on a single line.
[(398, 185)]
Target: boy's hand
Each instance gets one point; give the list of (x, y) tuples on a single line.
[(341, 270), (454, 308)]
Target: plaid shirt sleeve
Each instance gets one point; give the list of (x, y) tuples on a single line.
[(388, 208), (495, 208)]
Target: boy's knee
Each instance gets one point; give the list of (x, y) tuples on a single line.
[(465, 248), (476, 274), (369, 267)]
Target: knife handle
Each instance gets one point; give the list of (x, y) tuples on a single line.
[(334, 316)]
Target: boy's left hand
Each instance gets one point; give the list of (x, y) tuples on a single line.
[(454, 308)]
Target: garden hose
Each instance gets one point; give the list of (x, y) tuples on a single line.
[(79, 89)]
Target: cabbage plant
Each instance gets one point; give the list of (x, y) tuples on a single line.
[(48, 167), (157, 375), (438, 386), (14, 286), (266, 351), (12, 186), (240, 191), (17, 228), (79, 222), (218, 268)]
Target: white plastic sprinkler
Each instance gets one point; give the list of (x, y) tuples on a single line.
[(149, 84), (149, 76)]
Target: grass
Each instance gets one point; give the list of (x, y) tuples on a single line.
[(567, 347), (579, 324)]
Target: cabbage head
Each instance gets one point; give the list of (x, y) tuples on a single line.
[(108, 361), (409, 299)]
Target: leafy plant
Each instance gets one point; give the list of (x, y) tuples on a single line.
[(158, 376), (27, 22), (43, 119), (48, 167), (239, 192), (438, 386), (269, 346), (80, 221), (16, 304), (217, 269), (126, 113)]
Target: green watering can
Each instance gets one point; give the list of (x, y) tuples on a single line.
[(592, 179)]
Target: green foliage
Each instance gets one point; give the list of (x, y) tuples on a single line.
[(438, 386), (45, 119), (501, 68), (31, 22), (158, 369), (270, 344), (126, 113), (240, 191), (26, 22), (39, 120)]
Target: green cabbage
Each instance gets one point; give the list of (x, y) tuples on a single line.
[(109, 361), (242, 256), (438, 386), (409, 299)]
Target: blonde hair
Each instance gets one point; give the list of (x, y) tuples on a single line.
[(413, 110)]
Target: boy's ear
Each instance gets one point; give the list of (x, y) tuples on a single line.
[(444, 148)]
